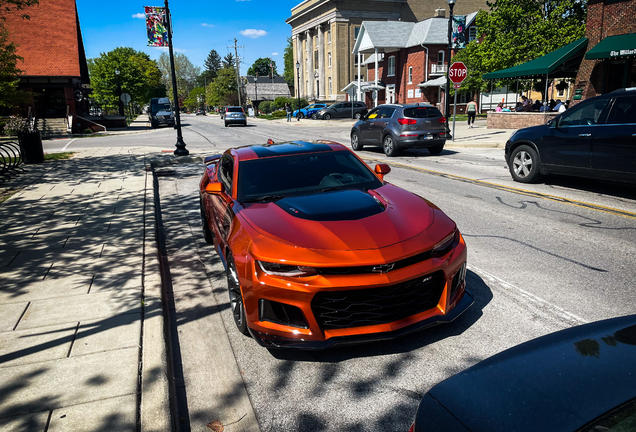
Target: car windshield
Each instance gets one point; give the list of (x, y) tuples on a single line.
[(235, 110), (301, 174), (160, 107), (422, 112)]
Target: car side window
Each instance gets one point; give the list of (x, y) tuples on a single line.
[(346, 105), (585, 114), (373, 114), (621, 419), (336, 106), (226, 172), (386, 112), (623, 111)]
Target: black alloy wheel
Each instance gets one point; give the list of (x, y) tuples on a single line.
[(355, 142), (358, 116), (208, 235), (435, 150), (390, 149), (327, 116), (524, 164), (236, 298), (300, 116)]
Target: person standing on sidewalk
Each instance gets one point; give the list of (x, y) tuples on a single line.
[(289, 111), (471, 110)]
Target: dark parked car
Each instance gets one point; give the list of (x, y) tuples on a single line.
[(200, 111), (595, 138), (235, 115), (581, 379), (342, 110), (398, 126)]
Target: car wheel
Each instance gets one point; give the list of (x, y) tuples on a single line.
[(435, 150), (300, 116), (225, 124), (314, 116), (236, 298), (390, 149), (358, 116), (207, 232), (355, 142), (524, 164), (245, 124), (327, 117)]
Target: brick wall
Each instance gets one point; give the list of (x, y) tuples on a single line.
[(603, 20)]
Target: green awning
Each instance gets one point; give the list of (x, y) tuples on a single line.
[(613, 47), (561, 63)]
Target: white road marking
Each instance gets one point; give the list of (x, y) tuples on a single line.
[(67, 144), (529, 296)]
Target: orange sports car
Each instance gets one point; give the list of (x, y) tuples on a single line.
[(319, 250)]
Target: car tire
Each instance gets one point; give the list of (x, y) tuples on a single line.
[(355, 141), (226, 124), (435, 150), (300, 116), (389, 146), (236, 298), (358, 115), (314, 116), (327, 117), (244, 123), (524, 164), (207, 232)]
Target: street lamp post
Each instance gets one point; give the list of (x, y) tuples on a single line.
[(256, 98), (298, 86), (451, 4)]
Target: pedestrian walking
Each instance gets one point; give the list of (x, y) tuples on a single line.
[(288, 108), (471, 110)]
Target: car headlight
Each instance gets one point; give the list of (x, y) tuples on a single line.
[(446, 245), (277, 269)]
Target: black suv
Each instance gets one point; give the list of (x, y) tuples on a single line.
[(595, 138), (400, 126), (342, 110)]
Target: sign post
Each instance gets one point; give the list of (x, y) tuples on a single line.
[(457, 73)]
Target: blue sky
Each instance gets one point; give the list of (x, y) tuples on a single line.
[(199, 26)]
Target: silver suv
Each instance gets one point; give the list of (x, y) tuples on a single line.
[(235, 115), (400, 126)]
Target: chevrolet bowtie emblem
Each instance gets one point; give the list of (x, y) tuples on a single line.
[(384, 268)]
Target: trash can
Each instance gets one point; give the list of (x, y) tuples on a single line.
[(31, 143)]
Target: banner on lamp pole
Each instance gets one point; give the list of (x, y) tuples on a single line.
[(458, 37), (156, 26)]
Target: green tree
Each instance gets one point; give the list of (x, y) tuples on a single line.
[(195, 99), (288, 59), (12, 6), (222, 90), (229, 61), (127, 69), (212, 65), (186, 72), (261, 67), (517, 31)]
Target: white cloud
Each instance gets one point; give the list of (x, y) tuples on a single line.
[(139, 15), (253, 33), (207, 25), (274, 54)]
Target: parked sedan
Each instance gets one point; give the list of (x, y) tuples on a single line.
[(309, 110), (319, 250), (398, 126), (343, 110), (235, 115), (595, 138), (582, 379)]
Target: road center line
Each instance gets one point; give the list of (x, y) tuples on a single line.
[(582, 204), (538, 301), (68, 144)]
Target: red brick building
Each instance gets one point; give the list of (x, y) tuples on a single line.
[(609, 62), (54, 68)]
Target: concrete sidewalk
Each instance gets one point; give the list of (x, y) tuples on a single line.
[(81, 321)]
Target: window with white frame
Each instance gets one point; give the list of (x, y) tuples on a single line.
[(329, 60), (391, 70), (330, 87), (410, 74), (355, 59), (472, 33), (440, 58), (356, 31)]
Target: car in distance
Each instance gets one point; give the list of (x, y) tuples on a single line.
[(200, 111), (235, 115), (577, 380), (342, 110), (308, 111), (319, 250), (400, 126), (160, 112), (596, 138)]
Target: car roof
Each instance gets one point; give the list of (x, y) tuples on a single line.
[(557, 382), (259, 151), (409, 105)]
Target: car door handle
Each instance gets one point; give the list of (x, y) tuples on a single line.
[(585, 135)]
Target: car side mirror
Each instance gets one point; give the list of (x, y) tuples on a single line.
[(215, 188), (381, 170)]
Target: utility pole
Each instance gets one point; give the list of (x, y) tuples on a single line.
[(238, 70)]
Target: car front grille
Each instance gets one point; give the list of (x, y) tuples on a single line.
[(363, 307)]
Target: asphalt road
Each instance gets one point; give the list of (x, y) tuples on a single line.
[(541, 258)]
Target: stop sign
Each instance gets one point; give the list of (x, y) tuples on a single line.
[(457, 72)]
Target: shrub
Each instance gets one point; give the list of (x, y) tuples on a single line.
[(281, 101), (16, 124), (279, 114), (265, 106), (303, 103)]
